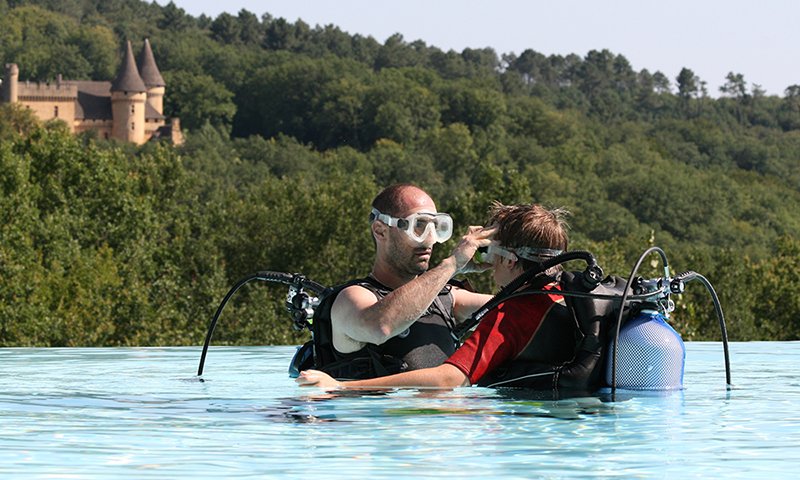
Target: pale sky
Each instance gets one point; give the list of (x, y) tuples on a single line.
[(759, 39)]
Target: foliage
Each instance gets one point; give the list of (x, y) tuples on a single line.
[(291, 130)]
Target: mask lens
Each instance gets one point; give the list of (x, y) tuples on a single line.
[(420, 226), (444, 228)]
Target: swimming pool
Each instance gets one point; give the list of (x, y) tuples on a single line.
[(141, 413)]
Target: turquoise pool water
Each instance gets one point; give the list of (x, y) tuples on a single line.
[(141, 413)]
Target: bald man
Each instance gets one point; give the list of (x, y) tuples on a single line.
[(400, 317)]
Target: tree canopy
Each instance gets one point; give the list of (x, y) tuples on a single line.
[(291, 130)]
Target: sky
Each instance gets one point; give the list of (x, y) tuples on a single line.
[(759, 39)]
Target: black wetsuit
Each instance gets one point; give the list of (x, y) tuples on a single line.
[(427, 343)]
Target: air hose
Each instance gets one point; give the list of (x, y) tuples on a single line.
[(677, 285), (296, 280), (593, 275)]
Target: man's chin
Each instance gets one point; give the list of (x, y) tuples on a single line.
[(421, 267)]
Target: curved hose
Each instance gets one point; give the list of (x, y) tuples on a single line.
[(297, 280), (687, 276), (622, 309), (594, 275)]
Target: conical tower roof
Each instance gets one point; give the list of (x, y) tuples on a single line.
[(148, 69), (128, 78)]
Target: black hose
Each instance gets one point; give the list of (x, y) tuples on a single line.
[(622, 310), (687, 276), (216, 317), (289, 279), (525, 277)]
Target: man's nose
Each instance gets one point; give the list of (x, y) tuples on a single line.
[(429, 235)]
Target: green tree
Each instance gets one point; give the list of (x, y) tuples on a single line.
[(197, 99), (736, 88)]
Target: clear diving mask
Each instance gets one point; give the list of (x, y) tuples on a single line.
[(419, 226), (534, 254)]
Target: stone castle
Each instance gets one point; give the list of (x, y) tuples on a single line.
[(129, 108)]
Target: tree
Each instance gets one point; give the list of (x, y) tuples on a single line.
[(687, 83), (227, 29), (736, 88), (175, 19), (688, 87), (197, 99), (250, 28), (16, 120), (661, 83), (790, 108)]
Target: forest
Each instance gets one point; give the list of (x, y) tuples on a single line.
[(292, 129)]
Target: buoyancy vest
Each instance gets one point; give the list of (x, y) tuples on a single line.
[(426, 343), (567, 352)]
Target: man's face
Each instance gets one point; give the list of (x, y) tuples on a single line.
[(405, 255), (405, 259)]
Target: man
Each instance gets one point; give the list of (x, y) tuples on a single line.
[(527, 234), (401, 316)]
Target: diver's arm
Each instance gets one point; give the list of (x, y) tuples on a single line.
[(359, 317), (445, 375)]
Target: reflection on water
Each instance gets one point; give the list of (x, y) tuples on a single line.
[(101, 413)]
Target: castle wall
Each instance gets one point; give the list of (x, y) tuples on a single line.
[(49, 100), (151, 126), (11, 85), (155, 97), (104, 128), (128, 111)]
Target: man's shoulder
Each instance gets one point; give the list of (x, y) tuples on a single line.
[(367, 283), (359, 293)]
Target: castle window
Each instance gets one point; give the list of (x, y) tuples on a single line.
[(133, 126), (133, 108), (55, 113)]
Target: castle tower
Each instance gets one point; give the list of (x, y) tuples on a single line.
[(11, 83), (152, 78), (128, 98)]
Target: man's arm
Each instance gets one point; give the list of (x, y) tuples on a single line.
[(359, 317), (466, 302), (445, 375)]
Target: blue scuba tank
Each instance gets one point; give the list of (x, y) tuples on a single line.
[(651, 354)]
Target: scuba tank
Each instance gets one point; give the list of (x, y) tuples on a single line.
[(651, 354)]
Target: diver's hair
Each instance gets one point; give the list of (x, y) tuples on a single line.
[(390, 200), (530, 225)]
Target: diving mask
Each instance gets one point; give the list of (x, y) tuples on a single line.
[(418, 226), (528, 253), (487, 253)]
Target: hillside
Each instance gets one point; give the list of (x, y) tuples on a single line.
[(292, 129)]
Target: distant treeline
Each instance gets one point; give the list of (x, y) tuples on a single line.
[(291, 131)]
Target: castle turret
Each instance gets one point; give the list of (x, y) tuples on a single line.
[(11, 83), (128, 98), (152, 78)]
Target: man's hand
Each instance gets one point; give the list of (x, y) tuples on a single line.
[(465, 250), (315, 378)]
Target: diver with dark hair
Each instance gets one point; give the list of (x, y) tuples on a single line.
[(401, 316), (511, 337)]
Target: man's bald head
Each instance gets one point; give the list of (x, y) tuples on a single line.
[(395, 200)]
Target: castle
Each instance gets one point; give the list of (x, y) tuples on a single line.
[(129, 108)]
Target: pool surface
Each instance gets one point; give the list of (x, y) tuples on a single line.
[(142, 413)]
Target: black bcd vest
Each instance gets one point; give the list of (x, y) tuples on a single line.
[(567, 352), (427, 343)]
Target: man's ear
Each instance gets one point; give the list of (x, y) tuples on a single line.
[(380, 230)]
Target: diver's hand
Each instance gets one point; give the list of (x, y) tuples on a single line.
[(465, 250), (315, 378)]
